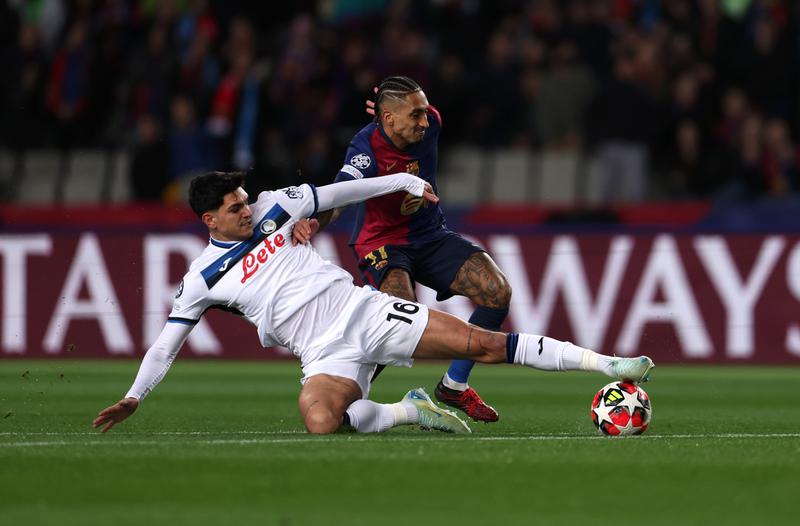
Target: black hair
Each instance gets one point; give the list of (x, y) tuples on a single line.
[(207, 191), (394, 88)]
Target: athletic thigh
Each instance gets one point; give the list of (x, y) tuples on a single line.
[(437, 264), (482, 281), (386, 328)]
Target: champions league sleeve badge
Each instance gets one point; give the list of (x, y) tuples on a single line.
[(361, 161)]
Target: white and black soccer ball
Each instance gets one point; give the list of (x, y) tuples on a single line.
[(621, 408)]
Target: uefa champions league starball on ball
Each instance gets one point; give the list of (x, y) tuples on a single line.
[(621, 408)]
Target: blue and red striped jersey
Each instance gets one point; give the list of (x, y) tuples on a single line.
[(399, 218)]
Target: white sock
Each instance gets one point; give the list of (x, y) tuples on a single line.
[(367, 416), (452, 384), (549, 354)]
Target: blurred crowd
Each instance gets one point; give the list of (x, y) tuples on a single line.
[(698, 98)]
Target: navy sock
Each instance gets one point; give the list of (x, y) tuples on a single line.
[(487, 318), (511, 346)]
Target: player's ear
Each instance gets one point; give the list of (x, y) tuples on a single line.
[(210, 220)]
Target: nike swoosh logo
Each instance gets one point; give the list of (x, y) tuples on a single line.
[(390, 166), (540, 345)]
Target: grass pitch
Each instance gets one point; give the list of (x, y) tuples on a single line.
[(222, 443)]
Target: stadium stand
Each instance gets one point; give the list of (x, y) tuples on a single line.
[(704, 92)]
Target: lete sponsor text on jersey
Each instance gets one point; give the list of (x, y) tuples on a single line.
[(254, 259)]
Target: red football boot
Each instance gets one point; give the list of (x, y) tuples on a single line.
[(468, 401)]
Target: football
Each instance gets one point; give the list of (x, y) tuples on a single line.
[(621, 408)]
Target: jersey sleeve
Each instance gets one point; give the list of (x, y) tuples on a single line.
[(358, 164), (298, 201), (158, 359), (190, 302)]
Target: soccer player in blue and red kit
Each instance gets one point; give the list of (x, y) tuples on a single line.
[(400, 240)]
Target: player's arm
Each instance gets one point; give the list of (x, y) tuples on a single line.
[(154, 366), (334, 197), (345, 193), (305, 229)]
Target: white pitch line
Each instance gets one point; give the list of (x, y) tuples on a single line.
[(154, 433), (428, 439)]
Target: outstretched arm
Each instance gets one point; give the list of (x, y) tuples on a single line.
[(305, 229), (333, 197), (348, 192), (154, 366)]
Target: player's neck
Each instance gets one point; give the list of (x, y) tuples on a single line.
[(396, 140)]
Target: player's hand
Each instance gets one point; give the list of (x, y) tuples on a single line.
[(371, 103), (115, 414), (429, 196), (304, 230)]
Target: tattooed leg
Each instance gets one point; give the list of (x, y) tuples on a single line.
[(480, 279), (397, 282)]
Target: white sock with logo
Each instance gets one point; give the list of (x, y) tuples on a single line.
[(367, 416), (549, 354), (452, 384)]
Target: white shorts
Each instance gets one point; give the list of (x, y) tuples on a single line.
[(379, 329)]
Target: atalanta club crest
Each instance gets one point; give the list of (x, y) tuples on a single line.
[(293, 192), (268, 227), (361, 161)]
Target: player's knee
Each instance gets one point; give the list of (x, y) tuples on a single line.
[(321, 422), (496, 292)]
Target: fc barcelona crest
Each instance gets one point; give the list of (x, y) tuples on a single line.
[(413, 167)]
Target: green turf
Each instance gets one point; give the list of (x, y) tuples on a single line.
[(222, 443)]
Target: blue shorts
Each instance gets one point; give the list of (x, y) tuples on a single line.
[(433, 264)]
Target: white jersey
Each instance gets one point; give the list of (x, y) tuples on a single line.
[(265, 278)]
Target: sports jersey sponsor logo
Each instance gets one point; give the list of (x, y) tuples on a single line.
[(361, 161), (293, 192), (253, 260), (413, 168), (269, 226), (216, 270)]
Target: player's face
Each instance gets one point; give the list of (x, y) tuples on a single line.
[(233, 221), (410, 119)]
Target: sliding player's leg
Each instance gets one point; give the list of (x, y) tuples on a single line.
[(329, 401), (446, 336)]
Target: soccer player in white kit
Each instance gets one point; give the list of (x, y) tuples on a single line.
[(340, 332)]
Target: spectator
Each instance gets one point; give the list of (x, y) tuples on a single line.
[(622, 120), (68, 85), (565, 92), (192, 149), (150, 163), (25, 66)]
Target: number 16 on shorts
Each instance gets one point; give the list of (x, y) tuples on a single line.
[(404, 312)]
